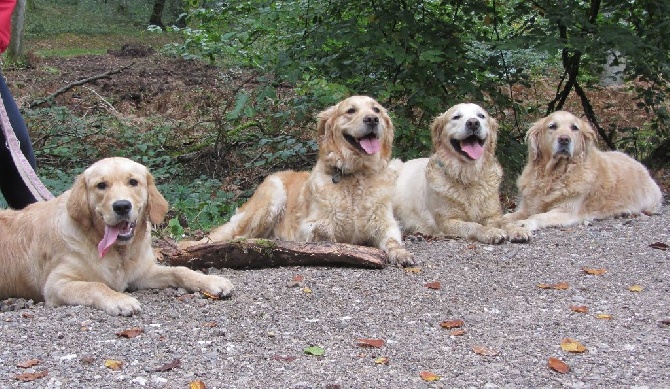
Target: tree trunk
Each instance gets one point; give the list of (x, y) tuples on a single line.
[(157, 14), (15, 52)]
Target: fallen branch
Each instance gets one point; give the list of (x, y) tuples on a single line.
[(67, 87), (257, 253)]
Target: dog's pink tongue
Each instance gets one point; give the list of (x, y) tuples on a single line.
[(370, 145), (472, 148), (110, 237)]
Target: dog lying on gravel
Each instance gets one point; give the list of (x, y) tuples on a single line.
[(346, 198), (455, 192), (567, 179), (88, 245)]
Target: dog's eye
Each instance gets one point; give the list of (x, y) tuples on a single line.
[(132, 182), (456, 117), (552, 126), (376, 110), (101, 185), (351, 110), (574, 127), (481, 115)]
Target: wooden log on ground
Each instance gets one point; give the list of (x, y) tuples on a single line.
[(258, 253)]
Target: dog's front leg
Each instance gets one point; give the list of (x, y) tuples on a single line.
[(317, 231), (160, 277), (63, 289)]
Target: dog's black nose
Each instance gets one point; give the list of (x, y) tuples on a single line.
[(122, 207), (371, 120), (472, 124), (564, 140)]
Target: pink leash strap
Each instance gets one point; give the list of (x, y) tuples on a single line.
[(36, 187)]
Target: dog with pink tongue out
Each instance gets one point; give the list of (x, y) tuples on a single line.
[(456, 192)]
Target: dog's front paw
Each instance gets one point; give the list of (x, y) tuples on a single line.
[(217, 286), (121, 305), (519, 234), (492, 235), (401, 257)]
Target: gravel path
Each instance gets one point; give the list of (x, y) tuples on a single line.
[(257, 338)]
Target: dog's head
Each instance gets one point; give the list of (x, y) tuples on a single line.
[(559, 135), (356, 128), (116, 196), (466, 130)]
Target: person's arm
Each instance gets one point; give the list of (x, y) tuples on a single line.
[(6, 9)]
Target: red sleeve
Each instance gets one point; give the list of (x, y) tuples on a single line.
[(6, 9)]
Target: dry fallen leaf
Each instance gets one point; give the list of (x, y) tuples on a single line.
[(572, 345), (113, 364), (579, 308), (28, 363), (449, 324), (382, 361), (210, 324), (131, 333), (210, 296), (458, 332), (604, 316), (558, 365), (27, 377), (594, 272), (196, 385), (169, 366), (636, 288), (487, 352), (659, 246), (433, 285), (413, 269), (306, 290), (429, 376), (559, 286), (374, 343)]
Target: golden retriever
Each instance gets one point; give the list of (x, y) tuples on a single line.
[(568, 180), (455, 192), (92, 242), (346, 198)]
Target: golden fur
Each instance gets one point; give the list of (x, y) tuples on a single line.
[(455, 192), (347, 196), (567, 179), (92, 242)]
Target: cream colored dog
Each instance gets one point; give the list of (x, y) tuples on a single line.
[(89, 244), (455, 192), (568, 180), (346, 198)]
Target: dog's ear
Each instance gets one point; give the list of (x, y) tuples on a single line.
[(493, 135), (323, 125), (436, 130), (157, 206), (533, 141), (77, 203), (588, 136), (389, 134)]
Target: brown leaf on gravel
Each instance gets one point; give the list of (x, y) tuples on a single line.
[(605, 316), (458, 332), (594, 272), (374, 343), (210, 324), (131, 333), (636, 288), (210, 296), (28, 363), (558, 286), (659, 246), (297, 280), (382, 361), (27, 377), (433, 285), (169, 366), (413, 270), (572, 345), (485, 351), (558, 365), (429, 376), (579, 308), (449, 324), (196, 385)]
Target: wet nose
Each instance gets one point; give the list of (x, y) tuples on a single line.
[(564, 140), (371, 120), (472, 124), (122, 207)]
